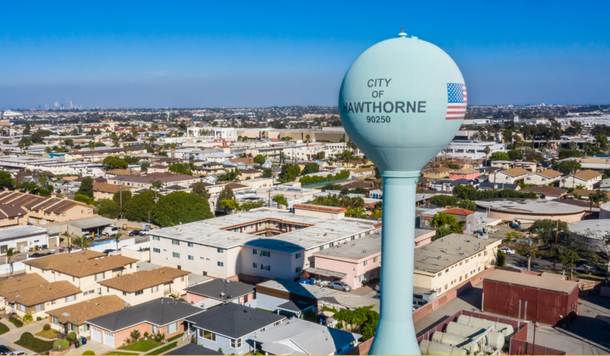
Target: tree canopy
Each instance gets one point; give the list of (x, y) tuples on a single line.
[(312, 167), (290, 171), (112, 162), (545, 229), (260, 159), (86, 187), (107, 208), (180, 207), (570, 166), (125, 195), (226, 193), (180, 168), (499, 156), (139, 207), (6, 180), (446, 224), (200, 189)]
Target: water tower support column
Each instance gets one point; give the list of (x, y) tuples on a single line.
[(396, 332)]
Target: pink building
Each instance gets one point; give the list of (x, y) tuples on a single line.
[(358, 260), (466, 173), (423, 237)]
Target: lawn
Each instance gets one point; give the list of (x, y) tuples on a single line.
[(48, 334), (175, 337), (142, 346), (120, 353), (163, 349)]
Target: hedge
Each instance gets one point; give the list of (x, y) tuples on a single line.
[(61, 344), (3, 329), (88, 352), (28, 341), (305, 180), (18, 323)]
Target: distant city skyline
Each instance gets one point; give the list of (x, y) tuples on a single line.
[(248, 54)]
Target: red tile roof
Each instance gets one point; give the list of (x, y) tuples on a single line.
[(458, 211)]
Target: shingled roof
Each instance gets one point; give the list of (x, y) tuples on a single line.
[(133, 282)]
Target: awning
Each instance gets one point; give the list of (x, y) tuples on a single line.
[(325, 272)]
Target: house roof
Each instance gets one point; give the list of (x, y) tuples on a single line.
[(458, 211), (332, 209), (531, 281), (82, 268), (51, 262), (550, 173), (515, 172), (249, 171), (78, 313), (136, 281), (587, 174), (221, 289), (11, 284), (107, 187), (234, 320), (157, 312), (35, 294), (544, 190), (466, 171)]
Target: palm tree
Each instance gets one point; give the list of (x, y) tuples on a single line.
[(307, 137), (91, 145), (173, 149), (528, 250), (10, 253), (487, 150), (82, 241), (117, 237), (156, 184), (280, 200)]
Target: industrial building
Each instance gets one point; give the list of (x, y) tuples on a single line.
[(509, 209), (518, 295)]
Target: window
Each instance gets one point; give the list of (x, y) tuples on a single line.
[(39, 307), (175, 242), (440, 274), (73, 328), (176, 254), (331, 244), (236, 344), (254, 251), (220, 264), (298, 255), (298, 269), (55, 321), (447, 270), (154, 289), (172, 328), (99, 291), (100, 276), (265, 267), (156, 250), (85, 328), (220, 250), (365, 263), (446, 286), (139, 292), (254, 265), (70, 298), (485, 253), (207, 335), (53, 301), (191, 258), (190, 244), (181, 278), (375, 259), (265, 253), (156, 238)]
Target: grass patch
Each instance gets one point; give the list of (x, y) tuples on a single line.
[(3, 329), (163, 349), (142, 346), (18, 323), (175, 337), (48, 334), (269, 311), (120, 353), (30, 342)]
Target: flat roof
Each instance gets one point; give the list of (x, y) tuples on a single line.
[(211, 231), (449, 250), (529, 206), (221, 289), (531, 281), (595, 228), (354, 250), (305, 290), (23, 231), (91, 222)]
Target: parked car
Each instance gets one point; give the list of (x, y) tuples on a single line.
[(110, 231), (597, 270), (17, 352), (4, 350), (508, 251), (107, 251), (135, 233), (418, 303), (340, 286), (144, 232)]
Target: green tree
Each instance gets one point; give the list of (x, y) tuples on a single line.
[(124, 196), (82, 241), (290, 171), (569, 253), (91, 145), (83, 199), (260, 159), (86, 187), (112, 162), (487, 150), (515, 155), (6, 180), (229, 205), (180, 207), (156, 185), (10, 253), (180, 168), (226, 193), (602, 140), (267, 173), (529, 250), (567, 167), (107, 208), (140, 206), (501, 259), (280, 200), (145, 165), (446, 224), (311, 168), (200, 189), (545, 229), (499, 156), (135, 335)]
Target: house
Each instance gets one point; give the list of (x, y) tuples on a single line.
[(143, 286), (37, 298), (586, 179), (230, 326), (466, 173), (447, 185), (23, 238), (544, 177), (300, 337), (249, 174), (72, 318), (222, 290), (472, 221), (106, 190), (438, 172), (162, 315), (272, 294), (545, 192), (510, 176)]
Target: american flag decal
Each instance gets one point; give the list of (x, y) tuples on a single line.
[(456, 101)]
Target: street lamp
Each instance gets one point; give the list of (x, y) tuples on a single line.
[(535, 327)]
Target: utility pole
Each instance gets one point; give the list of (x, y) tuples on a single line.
[(555, 254)]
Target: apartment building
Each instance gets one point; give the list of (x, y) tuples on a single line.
[(587, 179), (510, 176), (145, 181), (259, 244), (544, 177)]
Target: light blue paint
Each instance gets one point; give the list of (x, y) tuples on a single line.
[(406, 70)]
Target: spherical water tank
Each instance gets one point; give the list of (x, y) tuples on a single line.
[(506, 329), (454, 340), (432, 348)]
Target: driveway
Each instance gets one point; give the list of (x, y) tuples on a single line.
[(94, 346)]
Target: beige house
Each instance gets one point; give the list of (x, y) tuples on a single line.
[(143, 286), (511, 176), (438, 172), (145, 181), (106, 191), (586, 178), (72, 318), (249, 174), (36, 297), (543, 178)]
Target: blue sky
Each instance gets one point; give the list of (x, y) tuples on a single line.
[(267, 53)]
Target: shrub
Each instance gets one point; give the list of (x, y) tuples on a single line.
[(135, 335), (146, 334), (159, 337), (46, 327), (38, 318), (72, 336), (88, 352), (27, 318), (3, 329), (18, 323), (61, 344), (28, 341)]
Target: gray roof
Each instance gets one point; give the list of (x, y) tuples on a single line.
[(300, 337), (295, 306), (354, 250), (145, 266), (304, 290), (193, 349), (529, 206), (449, 250), (530, 281), (234, 320), (210, 232), (325, 272), (91, 222), (19, 232), (195, 279), (215, 288), (157, 312)]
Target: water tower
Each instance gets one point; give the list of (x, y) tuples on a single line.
[(401, 102)]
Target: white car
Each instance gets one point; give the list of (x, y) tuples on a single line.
[(110, 231), (508, 251), (18, 352)]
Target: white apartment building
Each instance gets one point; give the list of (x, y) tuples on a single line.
[(510, 176), (262, 243), (586, 178), (543, 177), (474, 150)]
